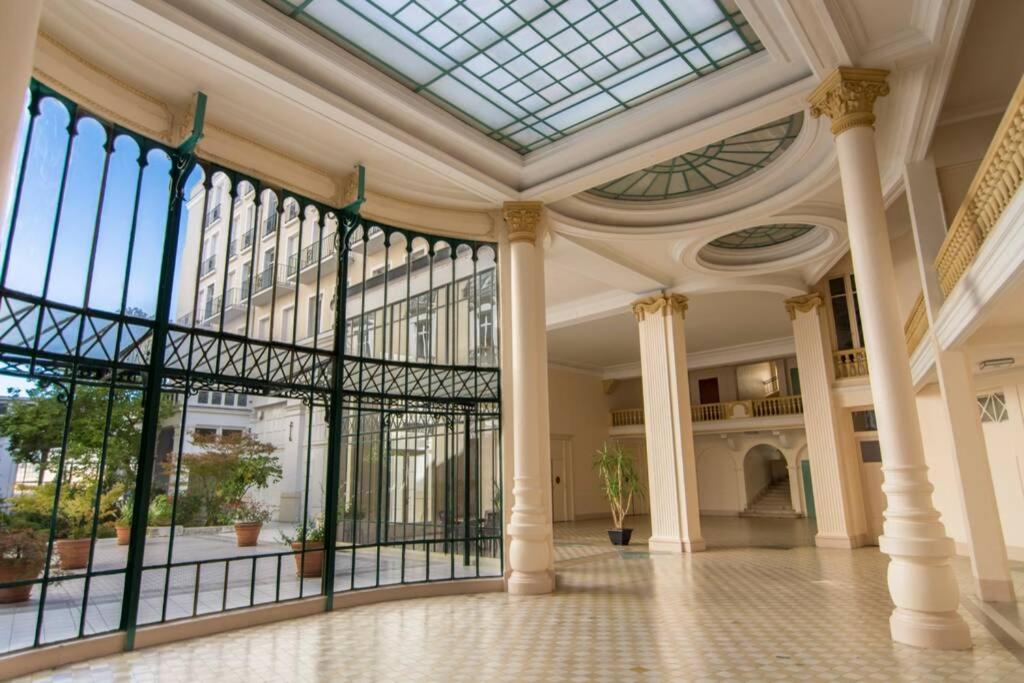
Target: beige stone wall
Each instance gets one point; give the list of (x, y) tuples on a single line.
[(1005, 444), (579, 410)]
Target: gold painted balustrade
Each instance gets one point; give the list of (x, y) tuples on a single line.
[(627, 418), (916, 325), (728, 410), (850, 363), (997, 180)]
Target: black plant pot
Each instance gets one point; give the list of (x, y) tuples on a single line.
[(620, 536)]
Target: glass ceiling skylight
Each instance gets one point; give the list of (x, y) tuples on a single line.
[(529, 72), (707, 168), (762, 236)]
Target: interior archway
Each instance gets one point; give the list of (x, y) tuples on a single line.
[(767, 483)]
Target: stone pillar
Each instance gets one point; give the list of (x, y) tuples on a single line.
[(837, 499), (671, 460), (795, 499), (530, 552), (19, 23), (921, 580), (985, 541)]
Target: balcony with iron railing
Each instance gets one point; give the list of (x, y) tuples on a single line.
[(273, 278), (319, 252), (235, 303), (213, 214), (767, 410), (208, 265), (268, 226), (245, 240)]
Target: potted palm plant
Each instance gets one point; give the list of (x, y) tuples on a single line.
[(22, 556), (249, 516), (620, 483), (310, 561), (123, 523)]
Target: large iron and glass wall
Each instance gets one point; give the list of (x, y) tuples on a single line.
[(224, 395)]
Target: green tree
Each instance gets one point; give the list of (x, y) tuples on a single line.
[(226, 468), (35, 428)]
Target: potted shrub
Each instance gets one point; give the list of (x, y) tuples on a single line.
[(313, 536), (619, 483), (22, 556), (123, 523), (75, 522), (250, 517)]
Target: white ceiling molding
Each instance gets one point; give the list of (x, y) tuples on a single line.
[(590, 308)]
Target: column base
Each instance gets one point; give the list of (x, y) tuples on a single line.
[(675, 545), (930, 630), (840, 542), (995, 590), (530, 583)]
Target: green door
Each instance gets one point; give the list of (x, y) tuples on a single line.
[(805, 468)]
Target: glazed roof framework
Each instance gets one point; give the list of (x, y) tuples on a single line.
[(530, 72)]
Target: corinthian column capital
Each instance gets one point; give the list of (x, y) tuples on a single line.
[(847, 96), (666, 304), (803, 303), (523, 220)]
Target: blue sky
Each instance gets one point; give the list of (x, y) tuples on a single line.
[(69, 280)]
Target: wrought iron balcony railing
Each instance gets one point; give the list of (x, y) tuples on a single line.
[(213, 214), (208, 265), (270, 223), (245, 239), (309, 253)]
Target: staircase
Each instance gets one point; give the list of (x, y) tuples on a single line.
[(773, 501)]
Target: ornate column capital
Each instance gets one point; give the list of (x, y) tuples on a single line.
[(666, 304), (523, 220), (803, 303), (847, 96)]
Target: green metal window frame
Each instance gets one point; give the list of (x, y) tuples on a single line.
[(762, 236), (69, 346), (709, 168), (588, 53)]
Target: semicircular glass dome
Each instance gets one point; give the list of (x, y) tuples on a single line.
[(761, 236), (708, 168)]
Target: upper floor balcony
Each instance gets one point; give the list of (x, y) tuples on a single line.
[(208, 265), (320, 252), (241, 242), (758, 413), (272, 281)]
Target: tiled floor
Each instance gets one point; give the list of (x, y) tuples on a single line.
[(268, 578), (782, 610)]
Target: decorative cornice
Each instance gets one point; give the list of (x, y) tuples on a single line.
[(666, 304), (805, 303), (847, 96), (523, 220)]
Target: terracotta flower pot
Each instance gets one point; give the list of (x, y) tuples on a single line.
[(73, 552), (247, 533), (17, 570), (314, 563), (124, 534)]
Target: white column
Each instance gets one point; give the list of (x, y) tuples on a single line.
[(985, 541), (671, 461), (19, 23), (837, 499), (530, 552), (921, 580), (795, 499)]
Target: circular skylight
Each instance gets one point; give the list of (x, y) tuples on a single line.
[(761, 236), (708, 168)]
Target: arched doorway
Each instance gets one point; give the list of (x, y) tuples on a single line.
[(766, 483)]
